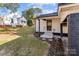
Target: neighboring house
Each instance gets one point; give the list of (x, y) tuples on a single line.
[(1, 20), (14, 19), (64, 21)]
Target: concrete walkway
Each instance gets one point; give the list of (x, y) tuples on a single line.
[(7, 37), (47, 35)]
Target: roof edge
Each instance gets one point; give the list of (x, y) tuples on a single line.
[(48, 15)]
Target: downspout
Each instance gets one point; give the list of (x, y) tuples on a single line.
[(39, 26), (61, 30)]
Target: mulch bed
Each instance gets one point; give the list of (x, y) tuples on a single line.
[(56, 47)]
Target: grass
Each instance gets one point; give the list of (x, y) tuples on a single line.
[(8, 30), (26, 45), (2, 30)]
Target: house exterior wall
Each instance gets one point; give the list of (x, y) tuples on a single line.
[(72, 13), (7, 21), (65, 29), (1, 22), (73, 34), (55, 25), (17, 20), (64, 11), (37, 25), (42, 25), (22, 21)]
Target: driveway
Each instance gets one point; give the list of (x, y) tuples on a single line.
[(7, 37)]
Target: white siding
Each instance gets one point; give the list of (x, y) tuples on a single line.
[(56, 25), (43, 26), (7, 21), (67, 11), (65, 29), (37, 25)]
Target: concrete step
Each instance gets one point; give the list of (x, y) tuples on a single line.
[(47, 35)]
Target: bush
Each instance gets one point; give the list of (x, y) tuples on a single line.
[(29, 22)]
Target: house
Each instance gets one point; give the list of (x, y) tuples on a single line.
[(50, 23), (64, 22), (13, 19)]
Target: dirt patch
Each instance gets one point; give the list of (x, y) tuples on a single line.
[(7, 37)]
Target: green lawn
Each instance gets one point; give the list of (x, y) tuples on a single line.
[(2, 30), (27, 44)]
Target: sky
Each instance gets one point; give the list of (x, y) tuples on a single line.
[(46, 8)]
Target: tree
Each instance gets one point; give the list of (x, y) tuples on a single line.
[(37, 11), (31, 14), (11, 6), (1, 4)]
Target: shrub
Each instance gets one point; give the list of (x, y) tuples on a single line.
[(29, 22)]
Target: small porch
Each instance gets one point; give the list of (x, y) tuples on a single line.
[(52, 28), (45, 26)]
